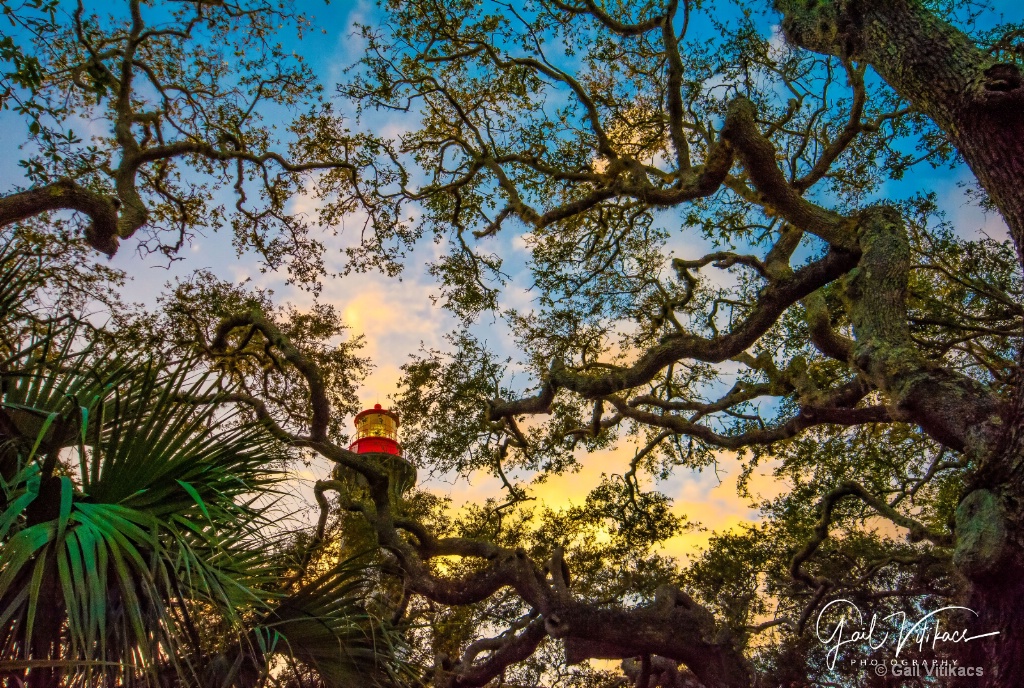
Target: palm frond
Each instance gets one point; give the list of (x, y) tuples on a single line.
[(326, 626), (137, 545), (150, 511)]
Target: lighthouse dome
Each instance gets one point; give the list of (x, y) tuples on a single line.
[(376, 432)]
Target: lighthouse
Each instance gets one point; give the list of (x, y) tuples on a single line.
[(376, 432), (377, 435)]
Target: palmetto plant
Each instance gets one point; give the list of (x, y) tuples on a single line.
[(136, 544)]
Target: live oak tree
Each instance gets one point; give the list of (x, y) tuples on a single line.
[(178, 104), (866, 345), (837, 328)]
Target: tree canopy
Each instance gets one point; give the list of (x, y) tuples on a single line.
[(722, 211)]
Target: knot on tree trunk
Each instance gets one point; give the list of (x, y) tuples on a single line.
[(997, 95), (1002, 77), (981, 535), (829, 26)]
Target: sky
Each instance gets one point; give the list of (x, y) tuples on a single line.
[(397, 316)]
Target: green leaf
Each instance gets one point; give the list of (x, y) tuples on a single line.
[(66, 495), (18, 551), (38, 572), (32, 479), (42, 433), (195, 495)]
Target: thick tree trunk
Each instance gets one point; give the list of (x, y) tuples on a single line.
[(998, 602), (45, 642), (979, 104), (962, 414), (975, 100), (990, 554)]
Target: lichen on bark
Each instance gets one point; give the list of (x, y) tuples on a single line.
[(981, 534)]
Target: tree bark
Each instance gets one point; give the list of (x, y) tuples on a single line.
[(990, 552), (65, 194), (978, 103), (962, 414)]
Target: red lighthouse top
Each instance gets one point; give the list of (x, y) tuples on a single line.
[(376, 431)]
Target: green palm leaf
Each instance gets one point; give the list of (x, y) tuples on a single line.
[(136, 544), (326, 626), (156, 515)]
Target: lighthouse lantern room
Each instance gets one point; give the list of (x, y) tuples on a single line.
[(376, 431)]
